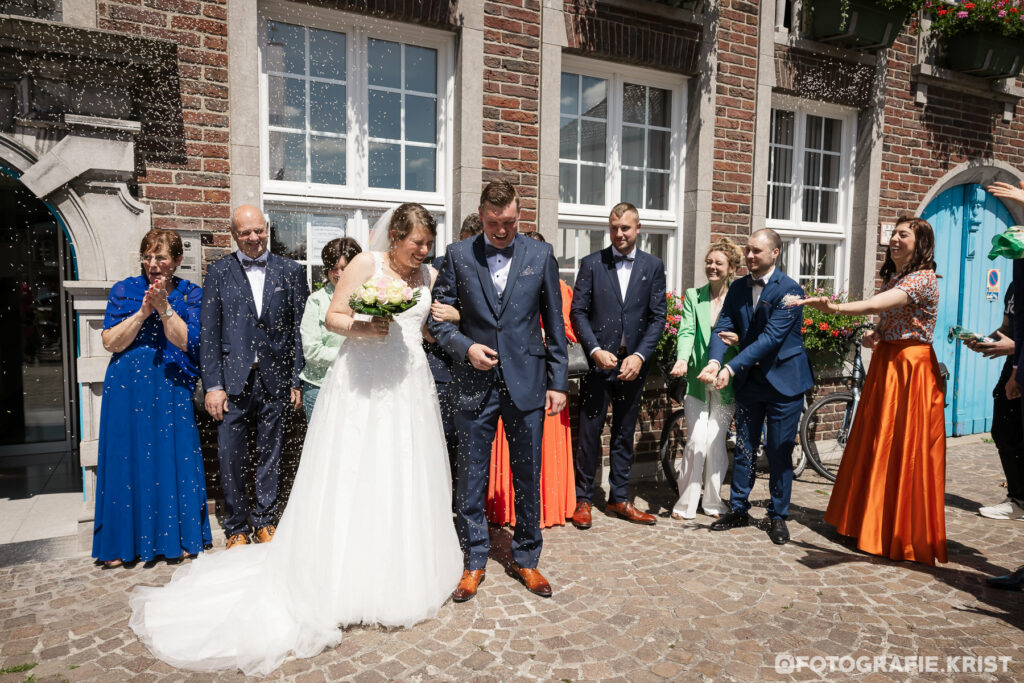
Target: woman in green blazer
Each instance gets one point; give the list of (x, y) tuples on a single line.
[(708, 411)]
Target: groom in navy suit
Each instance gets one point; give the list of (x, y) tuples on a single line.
[(504, 285), (250, 356), (618, 313), (770, 374)]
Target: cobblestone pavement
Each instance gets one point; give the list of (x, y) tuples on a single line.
[(630, 603)]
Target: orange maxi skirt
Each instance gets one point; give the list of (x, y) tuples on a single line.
[(890, 490), (557, 481)]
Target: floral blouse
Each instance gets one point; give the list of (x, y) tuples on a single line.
[(916, 320)]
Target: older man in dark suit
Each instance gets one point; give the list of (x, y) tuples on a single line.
[(251, 356), (618, 313)]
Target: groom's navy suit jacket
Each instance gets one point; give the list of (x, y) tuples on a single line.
[(770, 337), (231, 330), (510, 324)]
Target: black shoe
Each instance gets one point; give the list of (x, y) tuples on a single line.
[(731, 520), (778, 532), (1014, 581)]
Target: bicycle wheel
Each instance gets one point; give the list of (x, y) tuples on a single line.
[(824, 430), (670, 448)]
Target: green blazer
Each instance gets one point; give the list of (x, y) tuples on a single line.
[(693, 340)]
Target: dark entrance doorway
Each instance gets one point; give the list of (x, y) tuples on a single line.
[(38, 411)]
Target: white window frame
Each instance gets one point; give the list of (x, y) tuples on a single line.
[(795, 230), (356, 196), (791, 245), (669, 221)]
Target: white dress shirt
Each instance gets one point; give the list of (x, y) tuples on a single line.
[(624, 268), (756, 289), (257, 276), (498, 266)]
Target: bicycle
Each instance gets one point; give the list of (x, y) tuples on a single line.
[(825, 426), (672, 443)]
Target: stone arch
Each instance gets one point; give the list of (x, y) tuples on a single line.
[(983, 172)]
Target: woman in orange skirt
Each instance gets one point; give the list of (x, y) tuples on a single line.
[(890, 490), (557, 480)]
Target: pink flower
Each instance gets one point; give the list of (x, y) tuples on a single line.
[(962, 15), (407, 293), (1002, 13)]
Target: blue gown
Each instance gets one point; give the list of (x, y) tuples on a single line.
[(150, 488)]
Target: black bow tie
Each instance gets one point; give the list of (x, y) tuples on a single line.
[(491, 250), (260, 262), (759, 281), (619, 258)]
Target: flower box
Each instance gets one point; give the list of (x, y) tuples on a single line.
[(985, 54), (866, 26)]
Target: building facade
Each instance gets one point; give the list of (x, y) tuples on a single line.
[(715, 118)]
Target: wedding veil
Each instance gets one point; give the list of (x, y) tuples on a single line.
[(380, 232)]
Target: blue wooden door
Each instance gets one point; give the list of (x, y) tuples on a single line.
[(965, 219)]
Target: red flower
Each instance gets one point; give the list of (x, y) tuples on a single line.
[(942, 12), (969, 5), (835, 333), (808, 321), (803, 330), (823, 327)]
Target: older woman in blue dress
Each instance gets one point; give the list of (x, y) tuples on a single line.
[(150, 488), (320, 345)]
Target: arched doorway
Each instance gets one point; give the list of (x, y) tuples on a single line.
[(38, 390), (965, 218)]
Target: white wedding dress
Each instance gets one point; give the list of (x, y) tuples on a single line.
[(367, 536)]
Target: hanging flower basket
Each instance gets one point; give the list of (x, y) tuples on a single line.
[(861, 24), (983, 38)]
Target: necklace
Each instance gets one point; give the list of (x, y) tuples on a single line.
[(394, 266)]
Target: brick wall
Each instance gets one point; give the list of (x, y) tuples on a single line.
[(923, 142), (511, 87), (195, 194), (735, 100)]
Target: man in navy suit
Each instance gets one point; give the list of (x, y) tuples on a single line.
[(251, 356), (618, 312), (504, 285), (770, 374)]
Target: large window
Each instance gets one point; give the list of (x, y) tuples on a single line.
[(355, 118), (809, 188), (620, 139)]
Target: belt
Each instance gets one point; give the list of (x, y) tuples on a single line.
[(622, 351)]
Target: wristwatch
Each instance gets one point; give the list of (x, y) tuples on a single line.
[(168, 314)]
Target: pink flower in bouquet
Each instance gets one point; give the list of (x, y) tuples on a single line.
[(407, 294)]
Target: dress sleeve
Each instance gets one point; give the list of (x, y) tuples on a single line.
[(125, 299), (919, 286), (570, 335), (193, 306)]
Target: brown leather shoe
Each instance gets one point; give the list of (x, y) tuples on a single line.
[(534, 582), (629, 512), (468, 584), (581, 516), (265, 534), (236, 540)]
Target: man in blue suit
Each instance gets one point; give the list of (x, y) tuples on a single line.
[(251, 356), (770, 374), (504, 285), (618, 312)]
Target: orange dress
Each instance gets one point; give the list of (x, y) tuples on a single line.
[(890, 490), (557, 481)]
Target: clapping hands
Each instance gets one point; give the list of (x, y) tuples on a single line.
[(155, 298)]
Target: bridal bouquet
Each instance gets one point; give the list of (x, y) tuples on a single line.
[(384, 297)]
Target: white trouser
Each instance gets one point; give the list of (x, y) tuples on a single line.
[(707, 425)]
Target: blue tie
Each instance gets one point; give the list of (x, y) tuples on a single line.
[(619, 258), (491, 250), (260, 262)]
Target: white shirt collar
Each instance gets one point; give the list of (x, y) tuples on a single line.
[(767, 276), (631, 254)]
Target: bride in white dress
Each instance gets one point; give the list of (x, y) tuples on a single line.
[(367, 536)]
